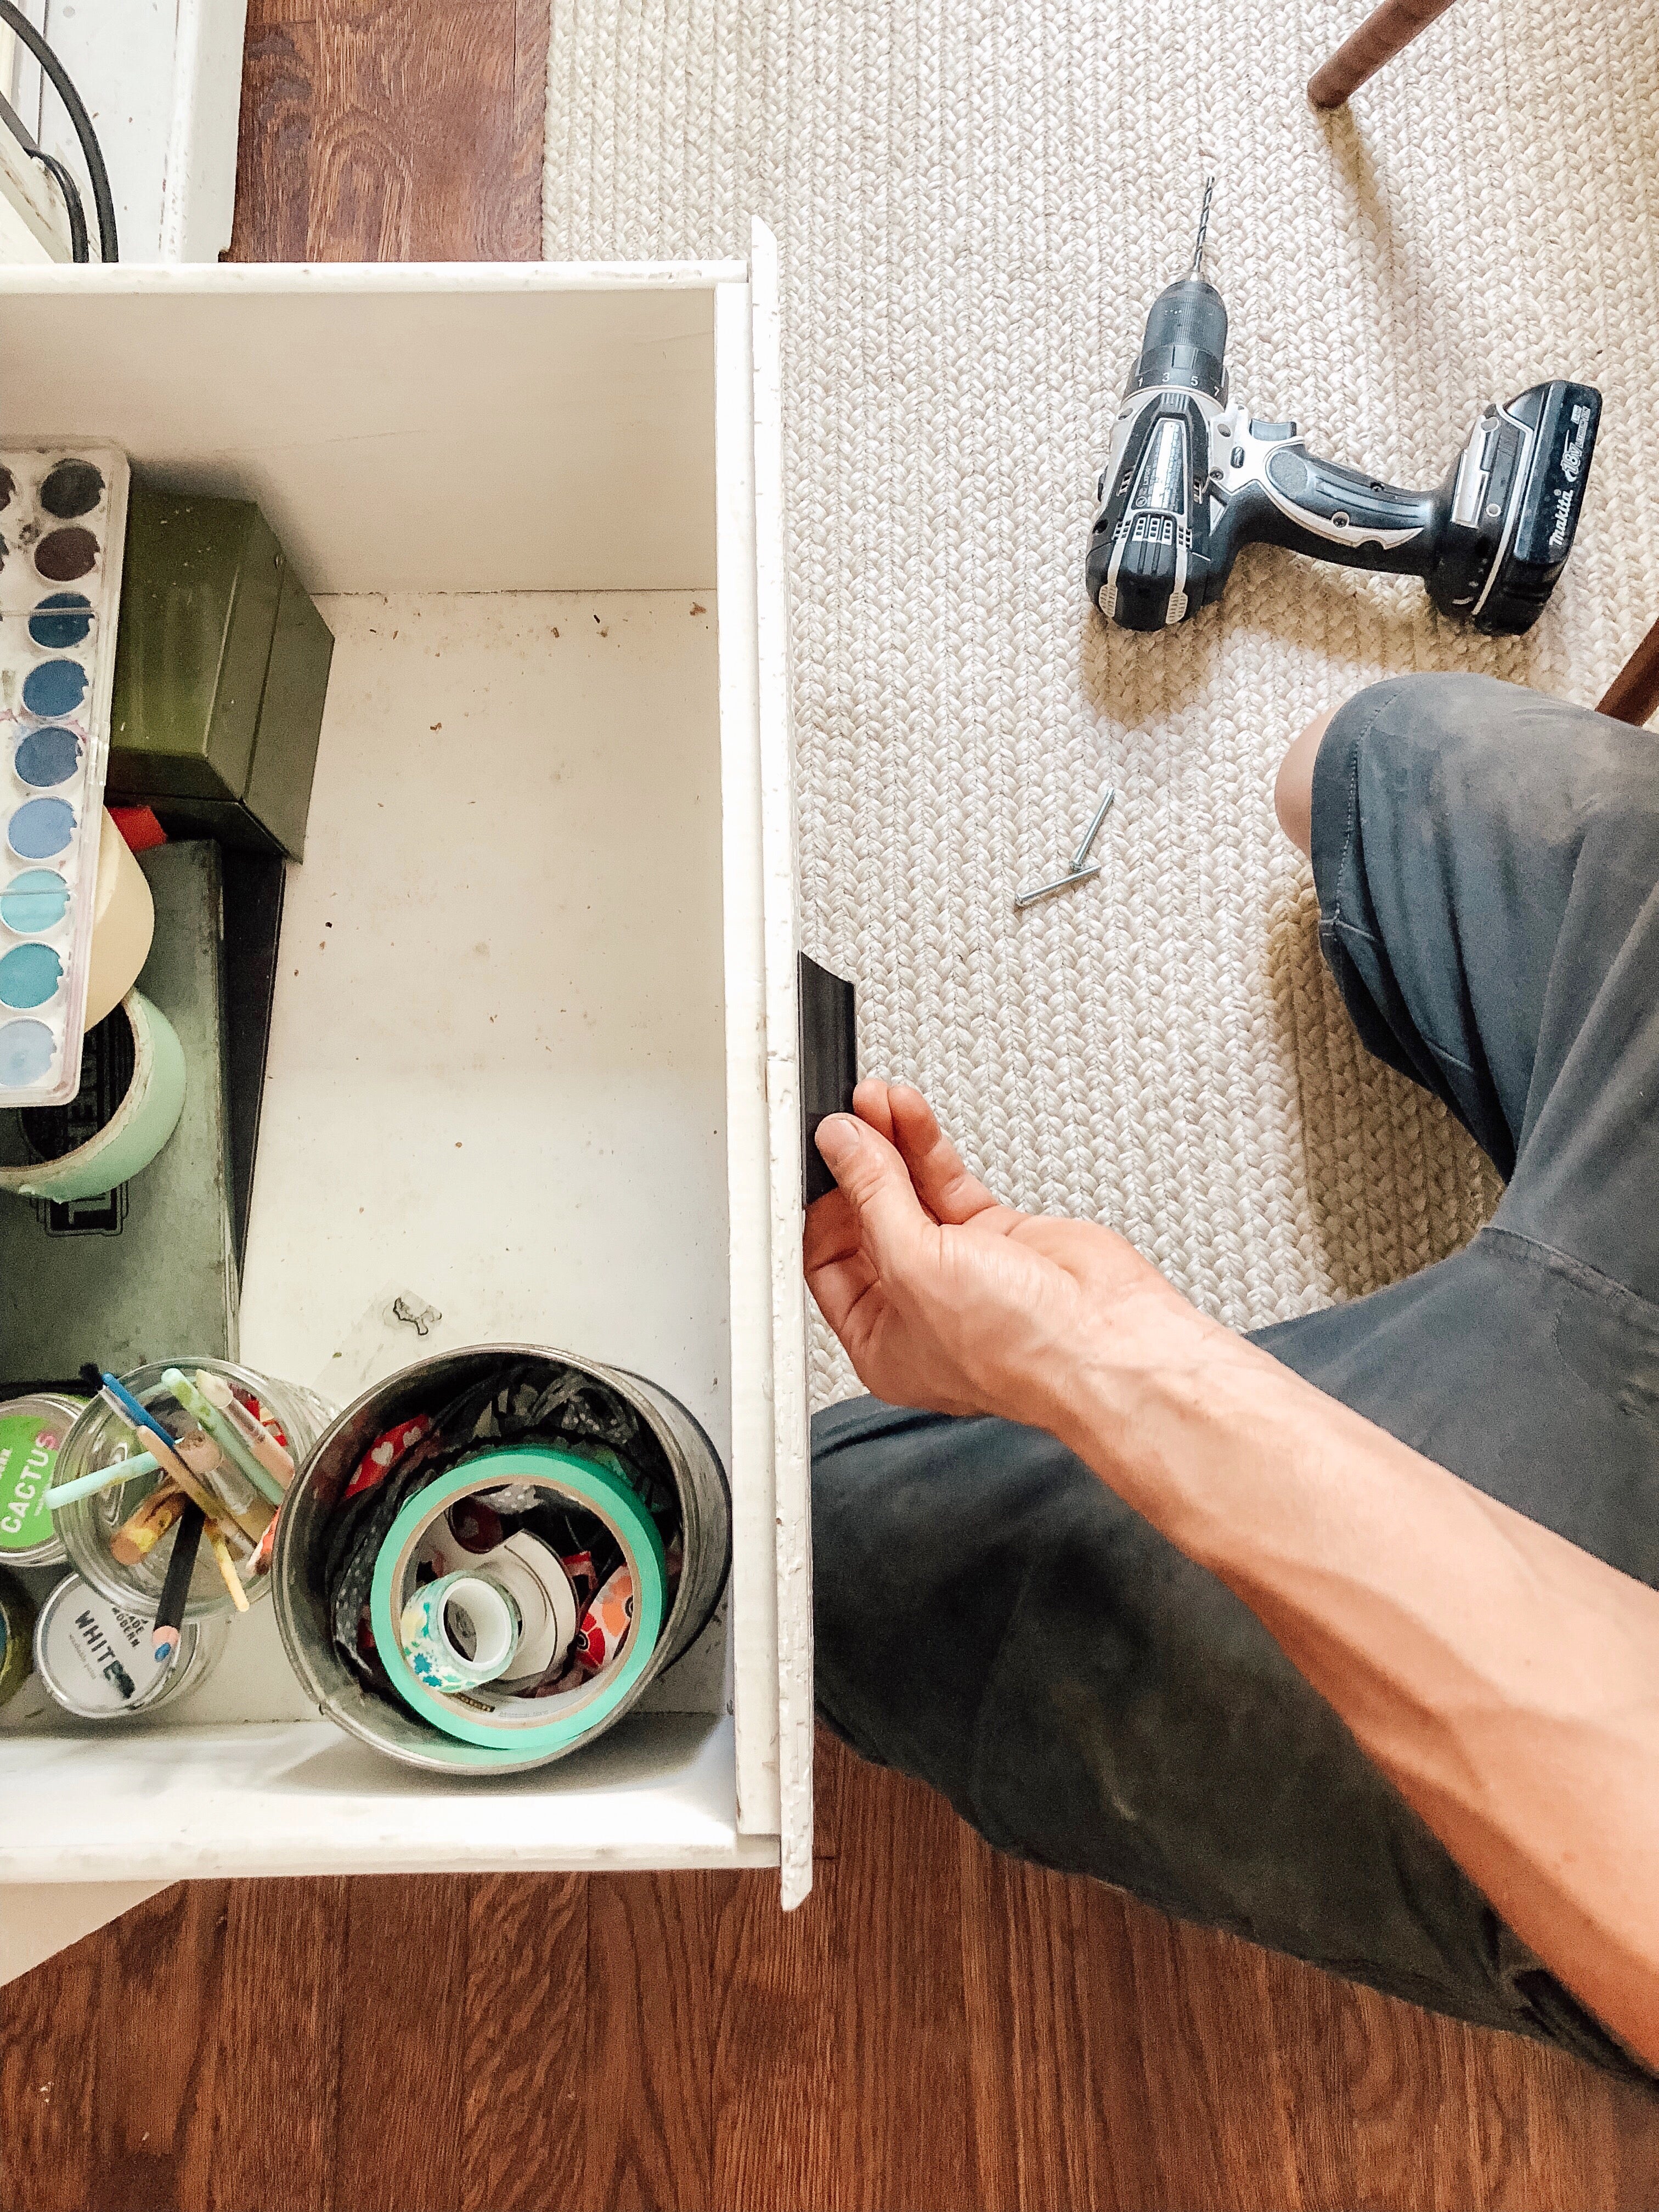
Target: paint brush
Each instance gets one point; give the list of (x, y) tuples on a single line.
[(144, 1527), (168, 1633), (276, 1462), (227, 1565), (139, 1417), (223, 1433)]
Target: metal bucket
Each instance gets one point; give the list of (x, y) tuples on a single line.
[(302, 1528)]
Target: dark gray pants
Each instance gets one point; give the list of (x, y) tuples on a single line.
[(992, 1619)]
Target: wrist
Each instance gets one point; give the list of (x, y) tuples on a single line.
[(1145, 1361)]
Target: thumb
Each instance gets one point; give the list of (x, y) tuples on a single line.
[(876, 1183)]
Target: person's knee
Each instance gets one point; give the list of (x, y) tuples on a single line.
[(1293, 786)]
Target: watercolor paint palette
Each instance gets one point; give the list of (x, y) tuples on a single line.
[(63, 534)]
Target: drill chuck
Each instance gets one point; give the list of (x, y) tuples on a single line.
[(1186, 340)]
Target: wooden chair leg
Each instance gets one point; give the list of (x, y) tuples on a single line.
[(1634, 691), (1379, 39)]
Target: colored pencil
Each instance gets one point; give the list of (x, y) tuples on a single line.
[(168, 1633), (227, 1566), (145, 1526)]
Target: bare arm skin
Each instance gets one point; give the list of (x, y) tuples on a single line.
[(1507, 1682)]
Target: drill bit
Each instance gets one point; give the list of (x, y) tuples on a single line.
[(1197, 269)]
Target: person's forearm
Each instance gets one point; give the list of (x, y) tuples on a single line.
[(1507, 1682)]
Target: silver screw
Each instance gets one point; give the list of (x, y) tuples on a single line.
[(1059, 884), (1092, 832), (1079, 868)]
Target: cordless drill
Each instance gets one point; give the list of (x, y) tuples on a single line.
[(1192, 476)]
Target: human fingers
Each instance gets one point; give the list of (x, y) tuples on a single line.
[(942, 1182), (831, 1231), (876, 1183), (871, 1103), (838, 1269)]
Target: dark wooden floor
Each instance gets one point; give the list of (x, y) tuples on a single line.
[(937, 2028)]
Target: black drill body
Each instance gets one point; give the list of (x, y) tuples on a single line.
[(1190, 479)]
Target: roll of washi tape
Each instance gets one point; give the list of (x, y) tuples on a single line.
[(146, 1117), (433, 1640), (589, 1709), (124, 923), (506, 1706), (534, 1577)]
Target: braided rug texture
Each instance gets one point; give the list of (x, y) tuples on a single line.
[(975, 203)]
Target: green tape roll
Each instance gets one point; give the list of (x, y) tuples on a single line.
[(590, 1485), (141, 1125)]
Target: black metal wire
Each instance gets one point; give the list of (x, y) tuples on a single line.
[(75, 108), (79, 250)]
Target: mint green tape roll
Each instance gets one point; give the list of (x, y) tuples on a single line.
[(588, 1485), (141, 1125)]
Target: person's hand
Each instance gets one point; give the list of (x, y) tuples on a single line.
[(945, 1300)]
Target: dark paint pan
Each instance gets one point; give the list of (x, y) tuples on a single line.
[(72, 487), (62, 619), (65, 555)]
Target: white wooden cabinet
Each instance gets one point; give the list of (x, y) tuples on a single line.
[(534, 1048)]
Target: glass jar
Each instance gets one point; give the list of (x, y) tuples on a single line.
[(102, 1438), (94, 1660)]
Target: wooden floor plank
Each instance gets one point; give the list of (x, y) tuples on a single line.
[(1059, 2105), (273, 157), (160, 2083), (1196, 2009), (893, 1897), (49, 2079), (1634, 2183), (412, 151), (777, 2102), (525, 2061), (400, 2133), (284, 1995), (518, 231), (650, 2013)]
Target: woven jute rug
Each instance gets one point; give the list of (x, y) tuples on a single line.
[(975, 202)]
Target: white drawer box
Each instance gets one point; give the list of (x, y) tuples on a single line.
[(534, 1045)]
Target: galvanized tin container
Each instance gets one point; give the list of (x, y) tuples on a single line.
[(303, 1529)]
